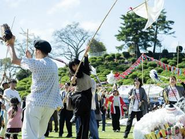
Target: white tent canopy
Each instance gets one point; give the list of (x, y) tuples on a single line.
[(152, 90)]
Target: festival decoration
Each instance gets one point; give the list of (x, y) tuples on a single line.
[(111, 79), (93, 72), (134, 66), (163, 123), (149, 12), (154, 76)]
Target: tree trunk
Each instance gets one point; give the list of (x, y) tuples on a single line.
[(137, 51), (155, 39)]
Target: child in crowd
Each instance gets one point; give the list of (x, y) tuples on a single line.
[(14, 119), (2, 116)]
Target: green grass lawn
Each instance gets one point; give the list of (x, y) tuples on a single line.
[(108, 134)]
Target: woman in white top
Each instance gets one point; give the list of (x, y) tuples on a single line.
[(173, 93), (137, 104)]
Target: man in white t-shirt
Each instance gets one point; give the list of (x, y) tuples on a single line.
[(11, 93), (44, 98)]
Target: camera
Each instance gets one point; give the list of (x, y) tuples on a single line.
[(6, 32)]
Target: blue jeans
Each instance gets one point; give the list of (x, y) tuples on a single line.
[(93, 127), (77, 124)]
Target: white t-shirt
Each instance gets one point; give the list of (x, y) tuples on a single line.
[(116, 101), (9, 94), (136, 102), (45, 90), (93, 90), (173, 95)]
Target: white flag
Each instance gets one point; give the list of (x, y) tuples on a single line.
[(93, 70), (150, 13)]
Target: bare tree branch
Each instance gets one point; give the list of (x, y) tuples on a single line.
[(71, 39)]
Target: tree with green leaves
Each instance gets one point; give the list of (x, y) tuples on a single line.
[(161, 27), (97, 48), (70, 40), (132, 35), (22, 73)]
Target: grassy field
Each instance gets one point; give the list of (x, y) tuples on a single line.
[(108, 134)]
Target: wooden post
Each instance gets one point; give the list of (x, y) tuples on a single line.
[(93, 39), (27, 40), (142, 67), (177, 54)]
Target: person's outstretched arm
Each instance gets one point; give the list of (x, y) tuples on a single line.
[(10, 44), (86, 63)]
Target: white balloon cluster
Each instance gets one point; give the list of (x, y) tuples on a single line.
[(110, 78)]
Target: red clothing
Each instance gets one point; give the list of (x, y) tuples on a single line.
[(112, 109)]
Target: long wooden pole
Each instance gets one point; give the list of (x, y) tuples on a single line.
[(7, 50), (27, 40), (93, 39), (177, 54), (142, 67)]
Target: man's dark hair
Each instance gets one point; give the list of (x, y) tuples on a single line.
[(13, 81), (5, 83)]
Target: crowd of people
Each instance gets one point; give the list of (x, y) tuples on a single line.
[(79, 101)]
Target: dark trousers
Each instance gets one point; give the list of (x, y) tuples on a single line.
[(65, 115), (84, 127), (130, 120), (49, 128), (82, 101), (115, 119), (55, 119), (103, 121), (14, 136)]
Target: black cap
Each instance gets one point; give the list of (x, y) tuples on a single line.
[(43, 45)]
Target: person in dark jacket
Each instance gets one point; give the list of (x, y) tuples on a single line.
[(137, 104), (82, 96)]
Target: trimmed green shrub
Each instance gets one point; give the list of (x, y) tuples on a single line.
[(164, 60), (126, 55), (152, 64)]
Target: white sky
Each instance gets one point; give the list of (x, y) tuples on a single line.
[(42, 17)]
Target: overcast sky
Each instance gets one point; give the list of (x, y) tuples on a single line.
[(42, 17)]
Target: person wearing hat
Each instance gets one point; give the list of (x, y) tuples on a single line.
[(44, 98)]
